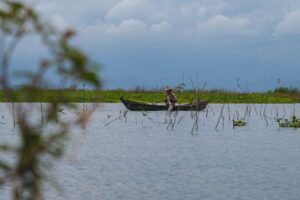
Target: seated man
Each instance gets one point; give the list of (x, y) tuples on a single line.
[(170, 97)]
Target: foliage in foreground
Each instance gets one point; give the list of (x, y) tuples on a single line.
[(38, 146)]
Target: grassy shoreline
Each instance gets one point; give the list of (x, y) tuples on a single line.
[(113, 96)]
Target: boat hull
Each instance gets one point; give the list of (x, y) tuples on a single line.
[(137, 106)]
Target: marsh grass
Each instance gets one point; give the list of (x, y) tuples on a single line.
[(151, 96), (287, 91)]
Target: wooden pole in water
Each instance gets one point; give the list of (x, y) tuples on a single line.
[(13, 109), (41, 105)]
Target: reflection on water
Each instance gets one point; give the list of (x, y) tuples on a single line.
[(136, 155)]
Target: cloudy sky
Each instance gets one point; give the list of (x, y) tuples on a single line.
[(161, 42)]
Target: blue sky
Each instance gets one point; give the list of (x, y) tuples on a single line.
[(161, 42)]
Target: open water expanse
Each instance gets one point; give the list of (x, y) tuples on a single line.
[(153, 156)]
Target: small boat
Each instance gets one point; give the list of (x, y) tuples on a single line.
[(137, 106)]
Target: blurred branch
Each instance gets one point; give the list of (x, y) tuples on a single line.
[(27, 175)]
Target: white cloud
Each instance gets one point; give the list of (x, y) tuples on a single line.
[(125, 28), (202, 9), (59, 22), (161, 27), (225, 26), (47, 7), (127, 9), (290, 25), (205, 17), (133, 26)]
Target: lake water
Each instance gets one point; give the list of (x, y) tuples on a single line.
[(147, 156)]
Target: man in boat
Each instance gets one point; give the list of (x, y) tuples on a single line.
[(170, 99)]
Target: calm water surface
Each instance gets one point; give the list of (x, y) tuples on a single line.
[(141, 157)]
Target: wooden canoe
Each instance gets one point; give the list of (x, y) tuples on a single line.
[(137, 106)]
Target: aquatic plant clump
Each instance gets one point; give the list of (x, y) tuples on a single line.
[(239, 123), (294, 122)]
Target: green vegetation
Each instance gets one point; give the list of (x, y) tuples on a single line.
[(155, 96), (287, 90), (294, 122), (239, 123)]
